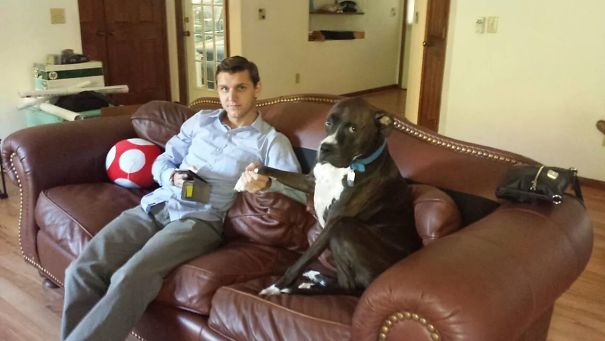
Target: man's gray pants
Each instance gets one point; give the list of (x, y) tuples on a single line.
[(121, 270)]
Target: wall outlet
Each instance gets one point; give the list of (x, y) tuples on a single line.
[(262, 14), (492, 24), (57, 15)]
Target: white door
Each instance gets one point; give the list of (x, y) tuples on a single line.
[(205, 44)]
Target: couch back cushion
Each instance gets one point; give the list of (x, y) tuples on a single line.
[(269, 219), (158, 121)]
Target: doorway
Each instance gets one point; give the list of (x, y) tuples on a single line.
[(428, 82), (204, 28)]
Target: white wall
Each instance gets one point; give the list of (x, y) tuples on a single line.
[(414, 67), (280, 47), (536, 87), (26, 37)]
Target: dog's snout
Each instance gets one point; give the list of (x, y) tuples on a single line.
[(326, 147)]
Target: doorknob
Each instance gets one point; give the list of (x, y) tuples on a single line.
[(426, 43)]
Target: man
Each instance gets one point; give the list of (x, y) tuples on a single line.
[(122, 269)]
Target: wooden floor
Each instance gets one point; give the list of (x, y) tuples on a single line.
[(391, 100), (30, 312)]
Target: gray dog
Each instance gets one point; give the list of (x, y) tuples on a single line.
[(361, 201)]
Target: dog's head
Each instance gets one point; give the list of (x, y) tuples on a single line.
[(355, 130)]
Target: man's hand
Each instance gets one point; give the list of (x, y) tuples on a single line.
[(179, 177), (252, 182)]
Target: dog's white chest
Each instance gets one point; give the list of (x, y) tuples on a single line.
[(328, 188)]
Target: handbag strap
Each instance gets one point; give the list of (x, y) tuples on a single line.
[(534, 183), (576, 185)]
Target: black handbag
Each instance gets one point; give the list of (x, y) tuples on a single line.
[(531, 183)]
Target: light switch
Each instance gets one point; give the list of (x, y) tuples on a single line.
[(492, 24), (480, 25), (57, 15)]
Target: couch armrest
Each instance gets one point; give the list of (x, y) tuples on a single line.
[(489, 281), (46, 156)]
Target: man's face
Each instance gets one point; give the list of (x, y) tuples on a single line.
[(238, 96)]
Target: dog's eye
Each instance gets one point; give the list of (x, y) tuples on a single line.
[(352, 129), (328, 123)]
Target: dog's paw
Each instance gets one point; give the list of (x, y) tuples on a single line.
[(306, 285), (317, 278), (311, 274), (270, 291)]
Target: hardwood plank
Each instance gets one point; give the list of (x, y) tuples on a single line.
[(17, 326), (391, 100)]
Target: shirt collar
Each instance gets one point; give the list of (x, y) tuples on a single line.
[(258, 123)]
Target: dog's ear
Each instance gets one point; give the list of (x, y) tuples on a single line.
[(384, 122)]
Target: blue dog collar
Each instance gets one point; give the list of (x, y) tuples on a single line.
[(360, 165)]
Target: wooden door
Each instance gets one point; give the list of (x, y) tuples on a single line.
[(433, 63), (129, 37)]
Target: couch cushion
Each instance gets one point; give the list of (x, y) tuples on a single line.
[(269, 219), (158, 121), (238, 313), (192, 285), (72, 214)]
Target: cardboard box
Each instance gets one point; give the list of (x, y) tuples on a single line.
[(48, 76)]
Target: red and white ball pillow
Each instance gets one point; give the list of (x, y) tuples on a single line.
[(128, 163)]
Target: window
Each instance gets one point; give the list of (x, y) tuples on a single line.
[(209, 39)]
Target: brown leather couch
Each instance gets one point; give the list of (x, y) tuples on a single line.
[(489, 270)]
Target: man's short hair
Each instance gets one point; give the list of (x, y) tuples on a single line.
[(237, 64)]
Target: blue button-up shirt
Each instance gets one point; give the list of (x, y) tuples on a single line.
[(220, 154)]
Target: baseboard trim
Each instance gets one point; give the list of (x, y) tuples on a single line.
[(369, 91)]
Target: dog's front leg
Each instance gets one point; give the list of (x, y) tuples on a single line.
[(302, 182), (283, 283)]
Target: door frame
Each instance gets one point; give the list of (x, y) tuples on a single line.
[(182, 54)]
